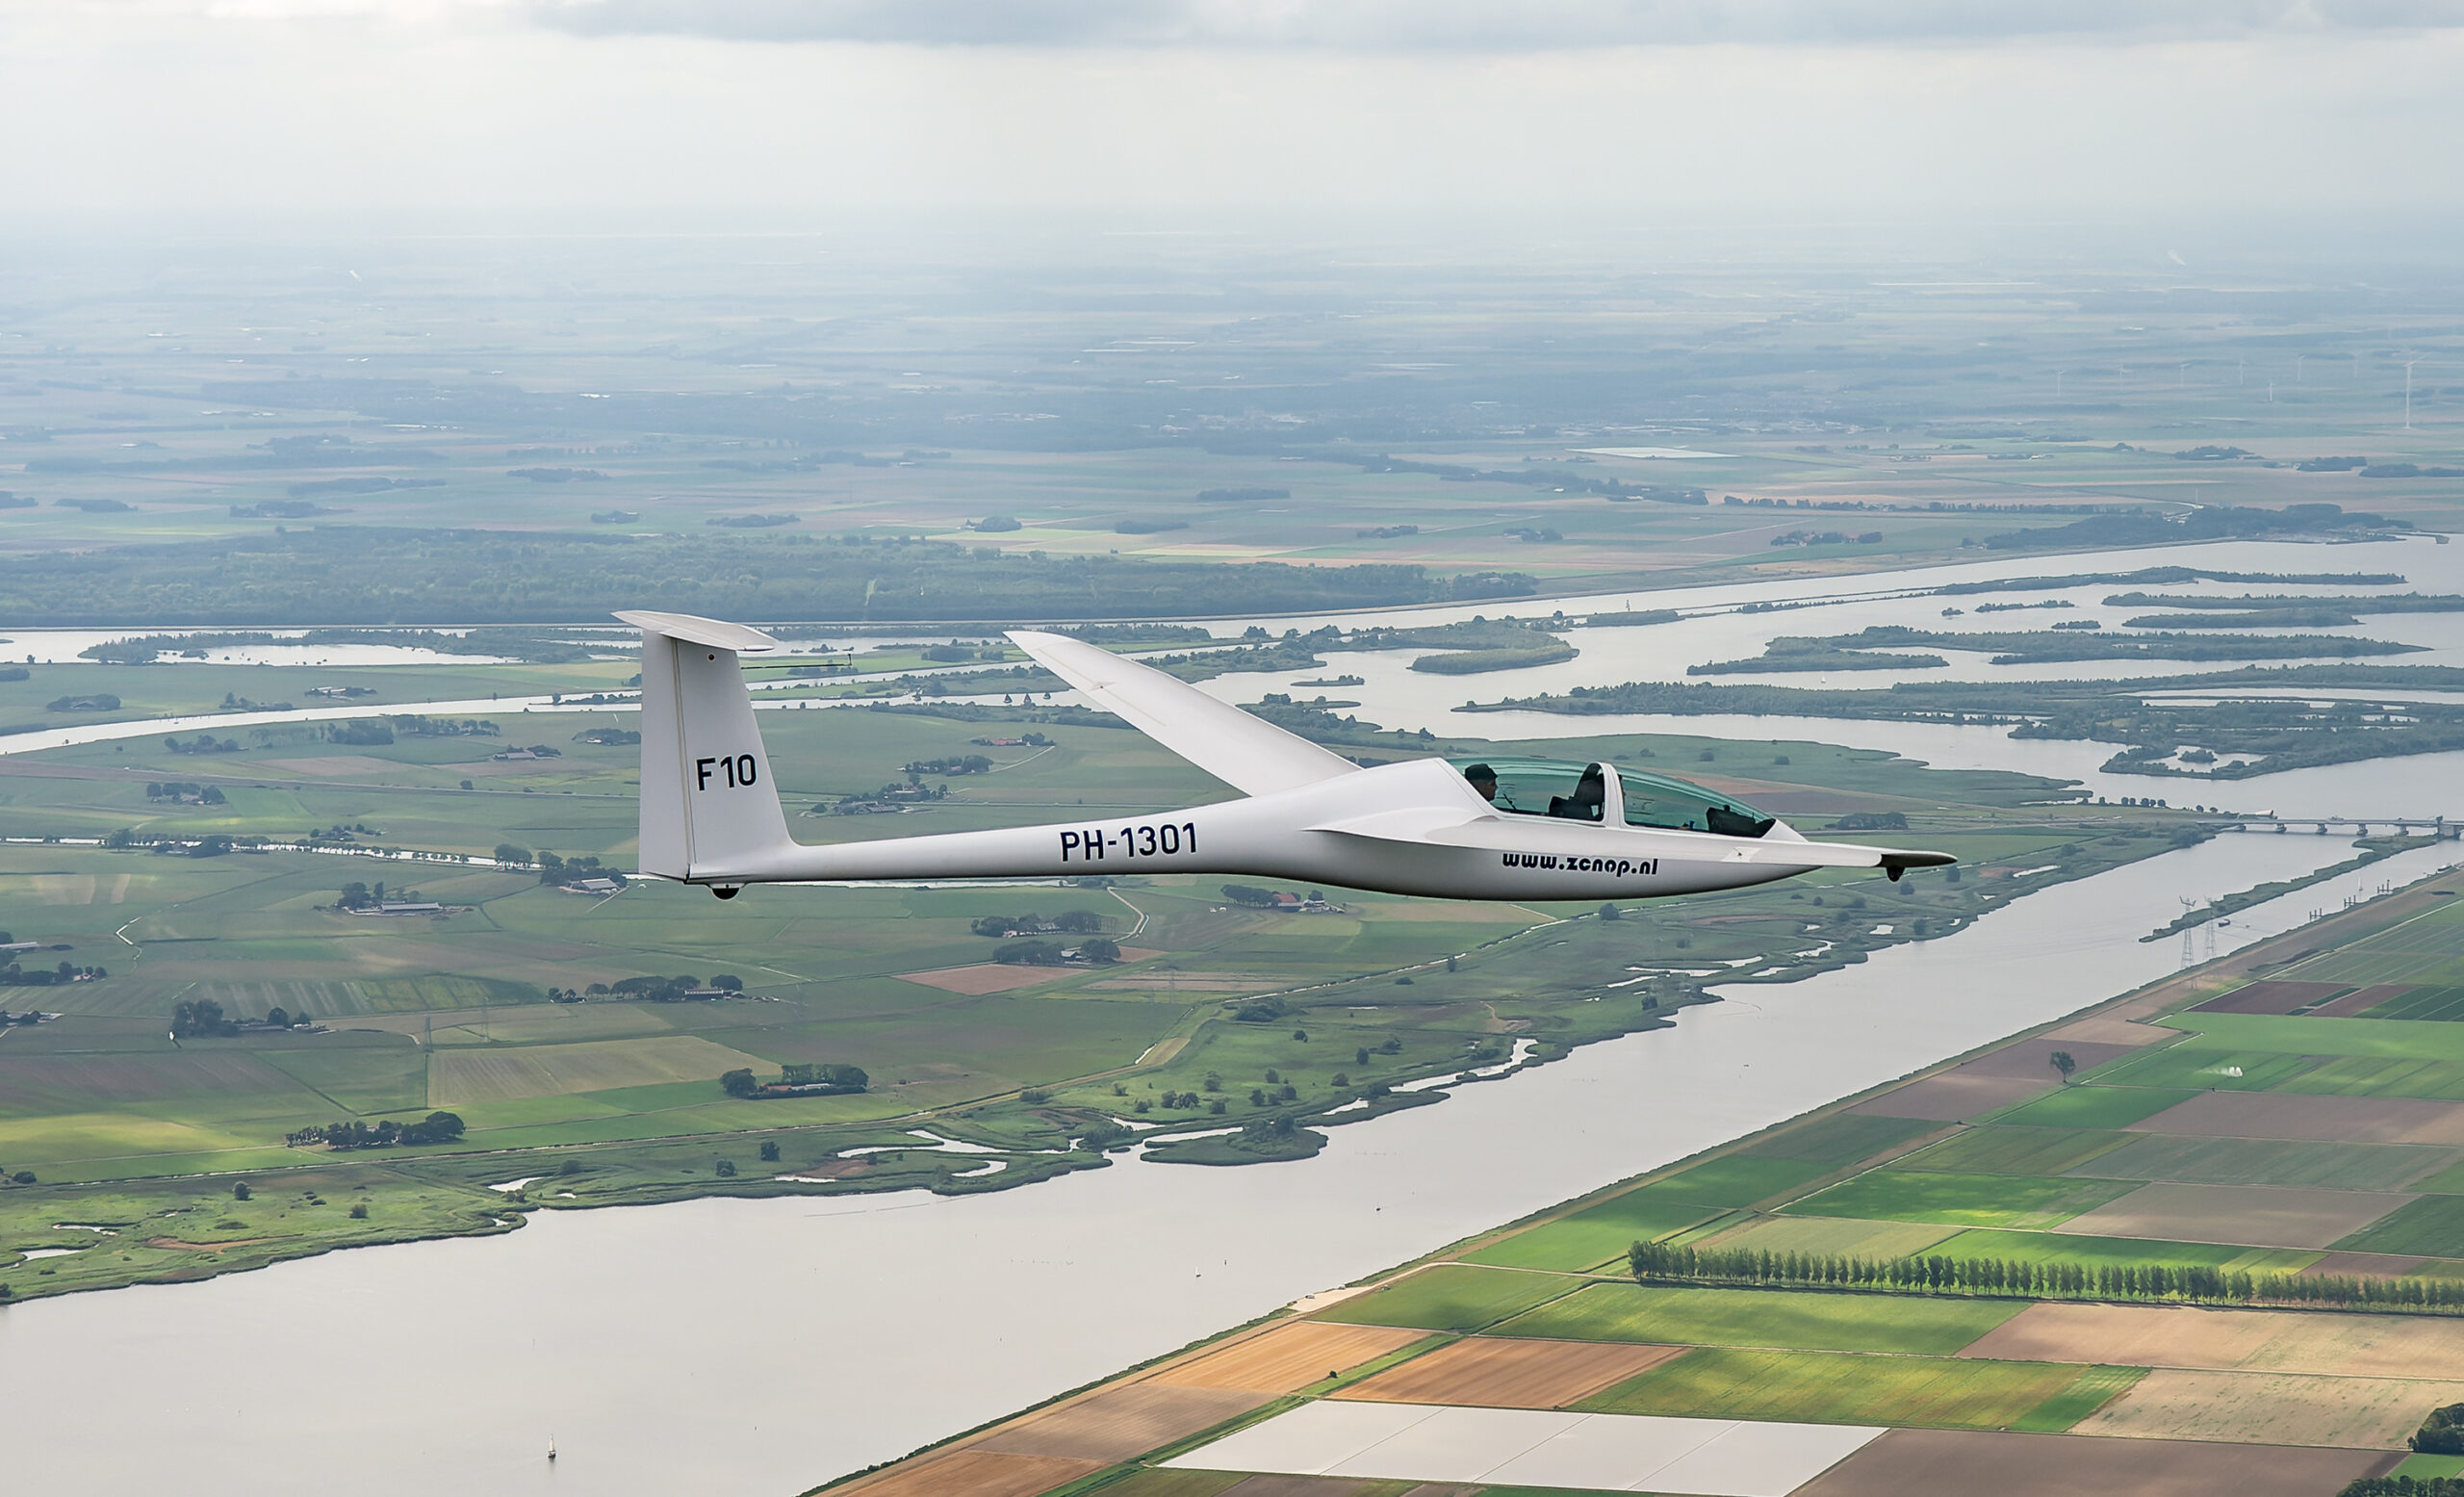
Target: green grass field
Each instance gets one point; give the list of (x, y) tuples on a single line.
[(2432, 1226), (1959, 1200), (1737, 1181), (1450, 1297), (1803, 1321), (2199, 1068), (2243, 1161), (1828, 1388), (1594, 1236), (2015, 1150), (1839, 1139), (2091, 1107), (2064, 1247), (2290, 1035)]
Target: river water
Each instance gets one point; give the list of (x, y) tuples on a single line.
[(762, 1347), (765, 1346)]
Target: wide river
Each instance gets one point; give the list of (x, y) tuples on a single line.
[(762, 1347)]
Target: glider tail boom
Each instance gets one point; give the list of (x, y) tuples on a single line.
[(710, 807)]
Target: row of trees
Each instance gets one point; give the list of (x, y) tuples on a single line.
[(1073, 923), (16, 976), (1095, 949), (1659, 1262), (436, 1127), (822, 1079)]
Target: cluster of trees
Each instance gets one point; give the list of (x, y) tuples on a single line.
[(379, 575), (1247, 894), (796, 1079), (664, 990), (361, 733), (611, 735), (1072, 922), (556, 872), (181, 790), (95, 702), (195, 1018), (2404, 1487), (436, 1127), (2215, 522), (1052, 954), (968, 763), (1659, 1262), (2441, 1433), (16, 976)]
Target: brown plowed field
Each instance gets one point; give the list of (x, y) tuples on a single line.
[(2150, 1335), (969, 1473), (1122, 1422), (1964, 1461), (2352, 1003), (2265, 1216), (1291, 1356), (1954, 1098), (987, 977), (2033, 1060), (2338, 1119), (1500, 1372), (2270, 997), (2353, 1413), (2105, 1030)]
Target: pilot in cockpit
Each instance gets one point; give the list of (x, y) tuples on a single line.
[(1587, 802), (1483, 780)]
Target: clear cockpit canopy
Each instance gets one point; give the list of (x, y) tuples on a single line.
[(1567, 790)]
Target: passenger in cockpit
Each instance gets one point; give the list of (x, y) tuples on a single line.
[(1585, 804), (1483, 780)]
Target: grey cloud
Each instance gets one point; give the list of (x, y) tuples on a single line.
[(1472, 25)]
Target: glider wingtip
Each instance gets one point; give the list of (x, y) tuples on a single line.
[(718, 633)]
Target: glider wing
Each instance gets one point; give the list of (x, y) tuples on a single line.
[(1250, 754)]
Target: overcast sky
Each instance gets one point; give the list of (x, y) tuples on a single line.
[(712, 114)]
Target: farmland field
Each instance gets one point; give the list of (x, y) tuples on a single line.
[(1447, 1298), (1764, 1318), (1959, 1200), (2297, 1409), (2016, 1151), (2093, 1107), (1594, 1234), (1828, 1388), (1504, 1373), (2216, 1161), (2230, 1340)]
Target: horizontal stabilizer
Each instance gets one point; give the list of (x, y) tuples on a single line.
[(1250, 754)]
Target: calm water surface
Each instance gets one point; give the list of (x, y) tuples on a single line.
[(761, 1347)]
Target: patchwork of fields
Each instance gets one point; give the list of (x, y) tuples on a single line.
[(516, 1005), (2093, 1289)]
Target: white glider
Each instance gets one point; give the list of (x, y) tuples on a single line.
[(1511, 829)]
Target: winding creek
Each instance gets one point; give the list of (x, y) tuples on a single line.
[(765, 1346)]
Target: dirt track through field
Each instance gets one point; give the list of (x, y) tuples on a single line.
[(2150, 1335), (1287, 1357), (1969, 1462), (1500, 1372)]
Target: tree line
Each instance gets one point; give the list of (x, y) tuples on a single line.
[(1653, 1262)]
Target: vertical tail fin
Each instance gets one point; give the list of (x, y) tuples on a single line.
[(710, 807)]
